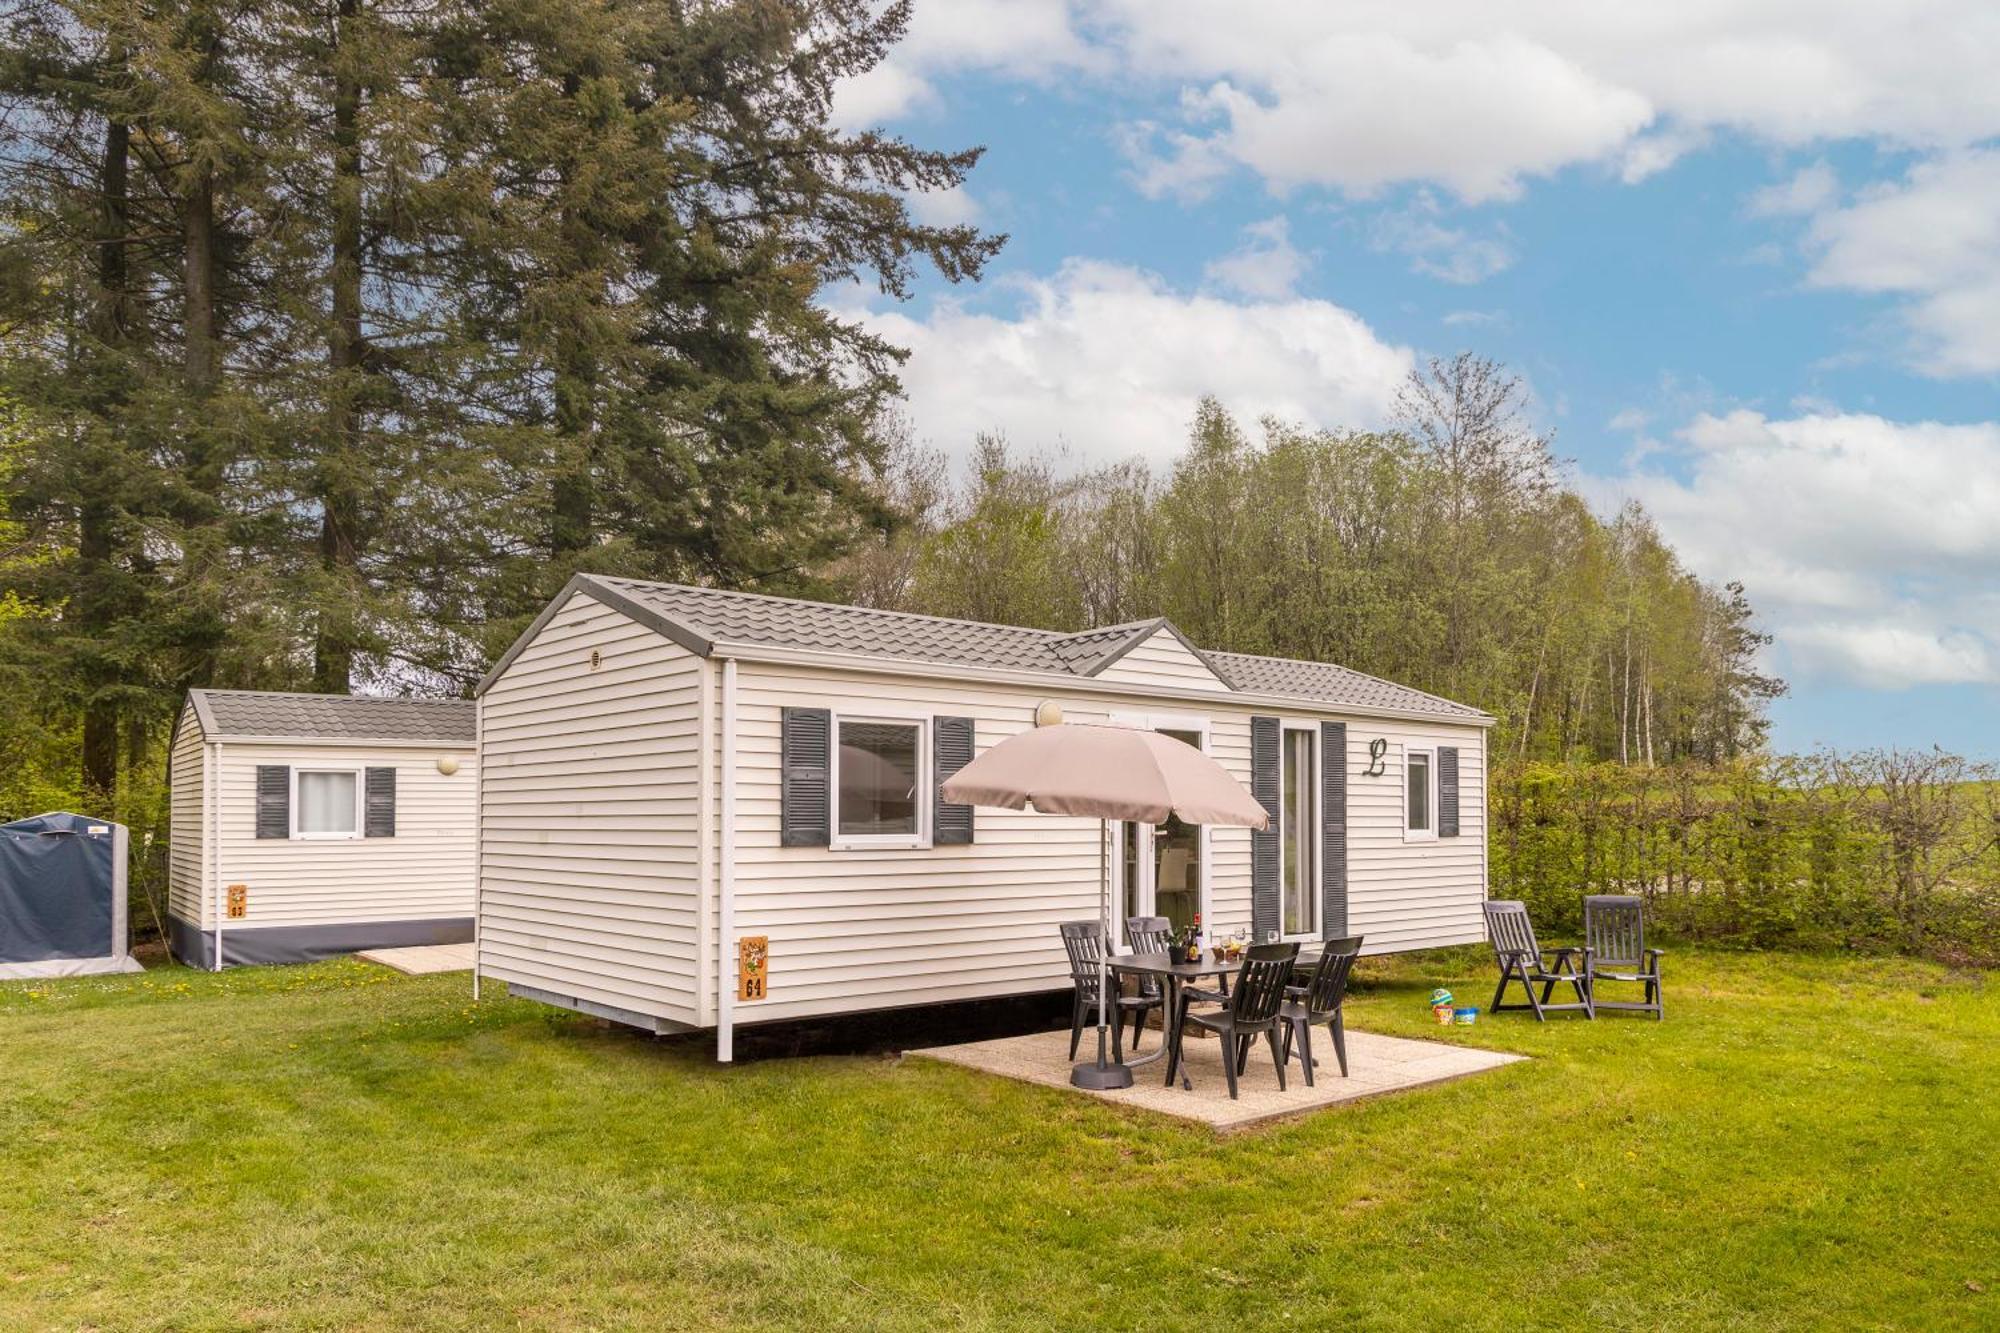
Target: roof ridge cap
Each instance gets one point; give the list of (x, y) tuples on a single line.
[(836, 606), (1130, 626), (209, 691), (1352, 671)]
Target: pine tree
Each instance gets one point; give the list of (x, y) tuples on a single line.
[(670, 198), (78, 361), (336, 334)]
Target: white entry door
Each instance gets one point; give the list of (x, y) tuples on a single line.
[(1163, 868)]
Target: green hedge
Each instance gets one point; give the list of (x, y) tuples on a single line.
[(1880, 851)]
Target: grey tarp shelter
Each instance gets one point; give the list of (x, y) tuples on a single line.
[(62, 897)]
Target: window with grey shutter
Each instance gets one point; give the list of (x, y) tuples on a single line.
[(379, 801), (274, 801), (805, 818), (1333, 830), (1447, 791), (951, 750), (1264, 761)]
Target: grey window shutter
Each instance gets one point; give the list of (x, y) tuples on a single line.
[(806, 816), (379, 804), (1264, 761), (1447, 791), (951, 750), (274, 801), (1333, 830)]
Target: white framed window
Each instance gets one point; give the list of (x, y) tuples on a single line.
[(1298, 831), (881, 782), (326, 802), (1420, 792)]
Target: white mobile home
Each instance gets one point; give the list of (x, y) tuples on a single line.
[(670, 775), (308, 825)]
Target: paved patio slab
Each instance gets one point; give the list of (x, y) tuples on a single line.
[(423, 959), (1376, 1065)]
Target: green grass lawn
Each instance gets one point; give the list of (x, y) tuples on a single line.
[(1805, 1142)]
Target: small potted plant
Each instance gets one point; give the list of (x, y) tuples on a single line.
[(1184, 945)]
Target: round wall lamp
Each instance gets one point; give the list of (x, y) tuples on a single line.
[(1048, 713), (448, 765)]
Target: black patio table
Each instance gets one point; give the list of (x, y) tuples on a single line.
[(1177, 976)]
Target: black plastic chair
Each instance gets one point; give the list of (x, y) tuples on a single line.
[(1147, 934), (1083, 941), (1614, 949), (1319, 1002), (1253, 1008), (1522, 960)]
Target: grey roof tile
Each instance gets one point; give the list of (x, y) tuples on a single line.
[(1333, 684), (740, 617), (1081, 653), (251, 713), (756, 619)]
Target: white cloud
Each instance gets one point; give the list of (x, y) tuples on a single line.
[(1934, 239), (1869, 545), (1028, 39), (1450, 254), (1806, 191), (944, 208), (1111, 360), (889, 90), (1363, 110), (1479, 97), (1653, 153), (1267, 266), (1885, 655)]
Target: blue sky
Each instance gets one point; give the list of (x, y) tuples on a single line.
[(1747, 258)]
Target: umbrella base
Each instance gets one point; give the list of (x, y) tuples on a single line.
[(1094, 1077)]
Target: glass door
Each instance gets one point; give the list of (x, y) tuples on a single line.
[(1298, 835), (1133, 895), (1160, 866), (1177, 885)]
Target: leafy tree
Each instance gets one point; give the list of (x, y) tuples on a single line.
[(1446, 555)]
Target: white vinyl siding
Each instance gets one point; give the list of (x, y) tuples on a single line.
[(187, 842), (858, 931), (589, 858), (1163, 660), (1413, 895), (595, 886), (424, 873)]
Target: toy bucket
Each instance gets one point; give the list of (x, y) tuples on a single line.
[(1443, 1014), (1465, 1017)]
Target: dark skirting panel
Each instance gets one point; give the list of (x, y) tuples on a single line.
[(308, 944)]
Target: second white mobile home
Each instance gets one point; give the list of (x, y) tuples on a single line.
[(668, 772), (309, 825)]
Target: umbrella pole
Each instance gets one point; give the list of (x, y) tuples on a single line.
[(1103, 1076)]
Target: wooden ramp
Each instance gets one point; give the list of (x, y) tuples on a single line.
[(422, 959)]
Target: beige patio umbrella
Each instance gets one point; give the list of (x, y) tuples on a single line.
[(1113, 773)]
